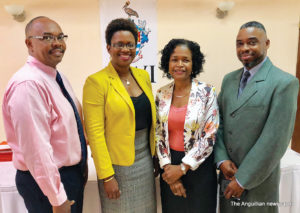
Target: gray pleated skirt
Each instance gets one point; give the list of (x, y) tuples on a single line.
[(136, 182)]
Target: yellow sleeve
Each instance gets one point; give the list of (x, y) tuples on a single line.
[(94, 96)]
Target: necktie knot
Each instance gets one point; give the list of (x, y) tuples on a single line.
[(244, 80), (247, 75)]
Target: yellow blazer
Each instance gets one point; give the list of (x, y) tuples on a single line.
[(109, 117)]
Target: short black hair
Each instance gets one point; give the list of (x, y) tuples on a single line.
[(255, 24), (120, 24), (29, 24), (197, 56)]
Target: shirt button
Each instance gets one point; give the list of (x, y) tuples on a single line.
[(230, 150), (230, 132)]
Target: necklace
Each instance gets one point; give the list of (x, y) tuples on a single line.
[(126, 81), (180, 96)]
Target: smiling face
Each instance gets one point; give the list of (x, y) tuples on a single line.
[(251, 46), (121, 57), (180, 63), (49, 53)]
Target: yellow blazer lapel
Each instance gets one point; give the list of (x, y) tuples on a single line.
[(142, 83), (118, 86)]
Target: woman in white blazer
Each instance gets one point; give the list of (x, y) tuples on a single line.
[(187, 121)]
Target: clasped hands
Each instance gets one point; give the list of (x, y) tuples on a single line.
[(233, 189), (172, 175)]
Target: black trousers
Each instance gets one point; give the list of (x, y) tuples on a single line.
[(200, 185), (37, 202)]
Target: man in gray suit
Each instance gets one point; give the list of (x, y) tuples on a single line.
[(257, 107)]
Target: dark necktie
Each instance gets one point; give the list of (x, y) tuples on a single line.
[(245, 77), (78, 121)]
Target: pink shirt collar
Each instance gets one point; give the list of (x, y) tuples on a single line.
[(45, 68)]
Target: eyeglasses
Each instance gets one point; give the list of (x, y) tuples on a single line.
[(51, 38), (121, 46)]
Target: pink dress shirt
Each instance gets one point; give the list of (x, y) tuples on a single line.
[(40, 126)]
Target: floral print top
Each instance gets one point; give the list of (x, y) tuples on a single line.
[(200, 126)]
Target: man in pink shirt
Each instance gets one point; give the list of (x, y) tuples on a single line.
[(42, 120)]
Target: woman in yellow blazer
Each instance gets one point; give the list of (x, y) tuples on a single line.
[(119, 112)]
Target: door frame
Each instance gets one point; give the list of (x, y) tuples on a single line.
[(296, 134)]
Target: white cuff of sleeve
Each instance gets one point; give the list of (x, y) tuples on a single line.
[(219, 163), (239, 183), (163, 162), (192, 162)]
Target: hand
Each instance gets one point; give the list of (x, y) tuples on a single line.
[(112, 189), (156, 166), (178, 189), (171, 173), (228, 169), (63, 208), (233, 189)]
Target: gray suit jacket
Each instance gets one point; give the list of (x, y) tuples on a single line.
[(256, 128)]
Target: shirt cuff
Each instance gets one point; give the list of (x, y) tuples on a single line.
[(59, 198), (163, 162), (219, 163), (239, 183), (192, 162)]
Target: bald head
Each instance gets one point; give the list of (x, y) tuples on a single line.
[(30, 24), (49, 52)]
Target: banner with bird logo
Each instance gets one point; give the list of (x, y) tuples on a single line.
[(143, 14)]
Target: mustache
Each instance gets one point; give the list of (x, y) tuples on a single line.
[(60, 49)]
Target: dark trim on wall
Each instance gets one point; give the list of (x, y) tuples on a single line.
[(296, 135)]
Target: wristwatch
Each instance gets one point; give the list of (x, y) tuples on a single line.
[(182, 167)]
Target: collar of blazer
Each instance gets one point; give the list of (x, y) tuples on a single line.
[(252, 86), (119, 87), (166, 95)]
